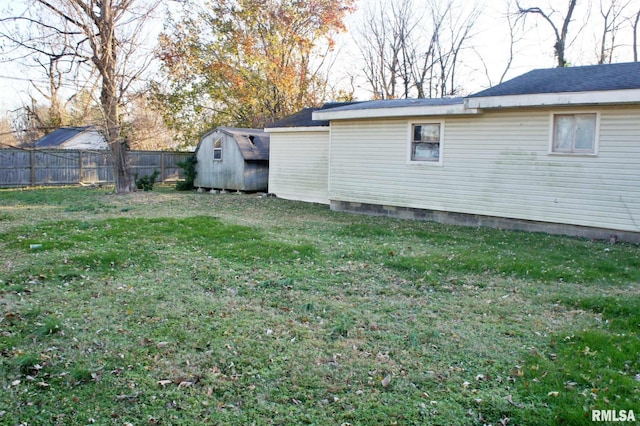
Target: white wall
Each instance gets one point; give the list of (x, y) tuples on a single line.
[(91, 140), (495, 164), (298, 165)]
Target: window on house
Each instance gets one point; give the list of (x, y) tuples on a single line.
[(574, 133), (425, 142), (217, 149)]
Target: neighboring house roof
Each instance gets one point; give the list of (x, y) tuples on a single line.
[(70, 136), (304, 117), (570, 79), (253, 143)]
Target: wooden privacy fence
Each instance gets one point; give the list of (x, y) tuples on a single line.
[(19, 167)]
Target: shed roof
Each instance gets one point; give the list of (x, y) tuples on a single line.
[(253, 143), (591, 78), (304, 117), (59, 136)]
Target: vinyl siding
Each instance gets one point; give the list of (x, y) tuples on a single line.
[(86, 140), (495, 164), (299, 165)]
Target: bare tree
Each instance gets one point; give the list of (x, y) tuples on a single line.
[(409, 54), (560, 29), (383, 44), (634, 25), (7, 135), (612, 21), (45, 51), (459, 26), (100, 35), (146, 129), (512, 21)]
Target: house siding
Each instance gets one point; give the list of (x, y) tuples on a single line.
[(496, 164), (87, 140), (299, 165)]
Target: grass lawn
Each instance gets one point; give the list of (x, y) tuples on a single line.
[(181, 308)]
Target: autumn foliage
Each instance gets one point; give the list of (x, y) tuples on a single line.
[(248, 62)]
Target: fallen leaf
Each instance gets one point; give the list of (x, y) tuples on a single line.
[(509, 398), (386, 381), (553, 394), (163, 383)]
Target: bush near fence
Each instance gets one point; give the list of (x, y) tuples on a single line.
[(41, 167)]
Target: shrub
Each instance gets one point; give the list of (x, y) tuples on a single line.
[(146, 182), (189, 167)]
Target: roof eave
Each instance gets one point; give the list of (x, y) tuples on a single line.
[(409, 111), (628, 96), (297, 129)]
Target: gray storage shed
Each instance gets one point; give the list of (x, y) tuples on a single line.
[(233, 159)]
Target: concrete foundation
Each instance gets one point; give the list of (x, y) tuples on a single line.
[(474, 220)]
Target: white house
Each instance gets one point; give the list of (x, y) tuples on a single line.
[(299, 156), (82, 138), (233, 159), (554, 150)]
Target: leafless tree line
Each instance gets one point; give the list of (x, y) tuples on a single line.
[(415, 48), (612, 17)]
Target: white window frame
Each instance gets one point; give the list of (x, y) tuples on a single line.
[(410, 142), (552, 132), (217, 149)]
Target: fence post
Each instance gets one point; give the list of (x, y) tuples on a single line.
[(162, 167), (80, 166), (32, 167)]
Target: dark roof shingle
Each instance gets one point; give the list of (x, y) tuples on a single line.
[(304, 117), (253, 143), (571, 79), (60, 136), (400, 103)]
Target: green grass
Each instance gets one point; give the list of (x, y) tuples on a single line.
[(176, 308), (593, 368)]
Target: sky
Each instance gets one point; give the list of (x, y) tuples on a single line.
[(488, 48), (489, 45)]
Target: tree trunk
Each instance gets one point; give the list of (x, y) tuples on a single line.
[(106, 64)]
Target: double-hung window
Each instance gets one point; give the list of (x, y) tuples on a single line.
[(575, 133), (426, 142), (217, 149)]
